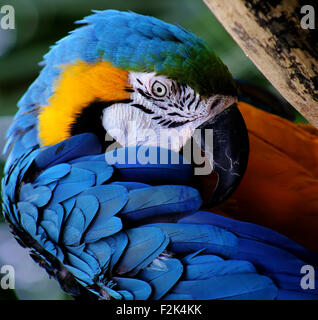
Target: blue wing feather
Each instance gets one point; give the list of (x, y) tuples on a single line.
[(190, 238), (170, 202), (75, 147), (118, 244), (144, 245), (162, 274), (110, 226), (251, 231), (139, 289), (53, 174)]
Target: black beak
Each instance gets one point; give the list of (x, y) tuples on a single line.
[(230, 152)]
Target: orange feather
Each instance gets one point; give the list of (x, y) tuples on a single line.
[(280, 187)]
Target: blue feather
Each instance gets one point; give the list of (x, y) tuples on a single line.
[(82, 277), (77, 146), (81, 265), (196, 258), (162, 274), (177, 296), (30, 139), (131, 185), (126, 294), (50, 224), (21, 123), (101, 169), (140, 290), (292, 295), (74, 228), (52, 174), (267, 258), (111, 198), (28, 216), (49, 246), (29, 209), (77, 181), (190, 238), (102, 229), (101, 251), (118, 244), (76, 249), (89, 205), (237, 286), (251, 231), (208, 270), (162, 202), (144, 245), (162, 167), (39, 197), (68, 206)]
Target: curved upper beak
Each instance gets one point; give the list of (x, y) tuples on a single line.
[(230, 152)]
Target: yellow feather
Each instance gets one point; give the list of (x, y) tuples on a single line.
[(79, 85)]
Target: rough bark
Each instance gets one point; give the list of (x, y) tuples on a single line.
[(270, 34)]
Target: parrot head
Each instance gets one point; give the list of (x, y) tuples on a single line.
[(122, 71)]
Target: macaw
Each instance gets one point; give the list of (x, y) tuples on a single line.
[(127, 230)]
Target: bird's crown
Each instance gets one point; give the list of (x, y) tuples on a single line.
[(141, 43)]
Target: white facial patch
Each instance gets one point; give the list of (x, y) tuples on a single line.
[(162, 112)]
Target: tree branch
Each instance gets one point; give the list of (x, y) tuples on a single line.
[(270, 34)]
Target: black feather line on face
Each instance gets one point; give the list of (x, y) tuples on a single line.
[(177, 106), (141, 107), (195, 108), (166, 122), (181, 105), (144, 94), (174, 114), (173, 88), (148, 96), (191, 102), (177, 124)]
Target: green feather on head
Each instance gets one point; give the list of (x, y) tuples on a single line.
[(145, 44)]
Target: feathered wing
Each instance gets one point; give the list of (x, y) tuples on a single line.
[(279, 189), (103, 231)]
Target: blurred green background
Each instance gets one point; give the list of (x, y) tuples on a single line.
[(39, 24)]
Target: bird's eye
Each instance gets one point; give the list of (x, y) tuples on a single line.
[(159, 89)]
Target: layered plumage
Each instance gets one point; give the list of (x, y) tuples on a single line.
[(106, 229), (280, 183), (134, 231)]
